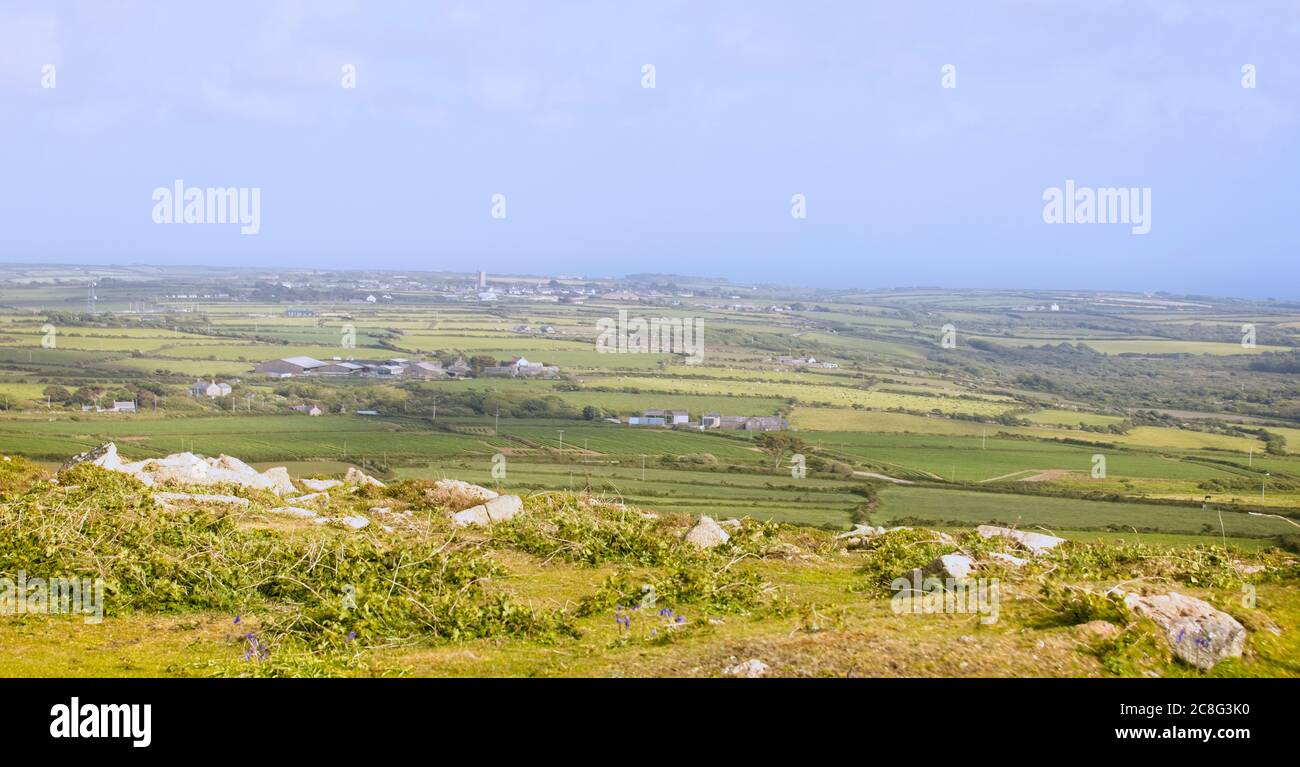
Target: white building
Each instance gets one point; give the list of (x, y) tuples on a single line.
[(209, 389)]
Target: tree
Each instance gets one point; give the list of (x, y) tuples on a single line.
[(57, 394), (776, 444), (591, 412)]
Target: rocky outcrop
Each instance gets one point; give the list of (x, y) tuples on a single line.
[(498, 509), (458, 495), (1037, 543), (707, 534), (1197, 632), (189, 469), (105, 455)]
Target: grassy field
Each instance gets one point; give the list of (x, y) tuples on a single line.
[(958, 507)]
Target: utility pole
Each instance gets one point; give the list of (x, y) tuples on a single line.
[(643, 467), (496, 426), (1261, 487), (561, 440)]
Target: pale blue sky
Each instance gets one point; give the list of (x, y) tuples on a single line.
[(907, 183)]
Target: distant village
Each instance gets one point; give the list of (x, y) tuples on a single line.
[(294, 367), (682, 419)]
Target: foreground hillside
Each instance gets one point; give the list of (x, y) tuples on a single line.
[(212, 568)]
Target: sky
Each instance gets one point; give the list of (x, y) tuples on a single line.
[(904, 181)]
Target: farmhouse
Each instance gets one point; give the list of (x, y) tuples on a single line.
[(209, 389), (806, 362), (520, 367), (308, 409), (299, 312)]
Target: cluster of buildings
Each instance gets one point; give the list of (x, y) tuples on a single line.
[(682, 419), (291, 367), (118, 407), (520, 367), (805, 362)]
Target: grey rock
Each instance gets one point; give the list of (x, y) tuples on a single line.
[(1198, 633)]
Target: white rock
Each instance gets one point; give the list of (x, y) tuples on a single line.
[(1015, 562), (1197, 632), (280, 481), (498, 509), (356, 522), (956, 566), (231, 463), (294, 511), (318, 485), (1038, 543), (862, 531), (168, 500), (750, 669), (311, 498), (465, 492), (730, 524), (355, 476), (707, 534)]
